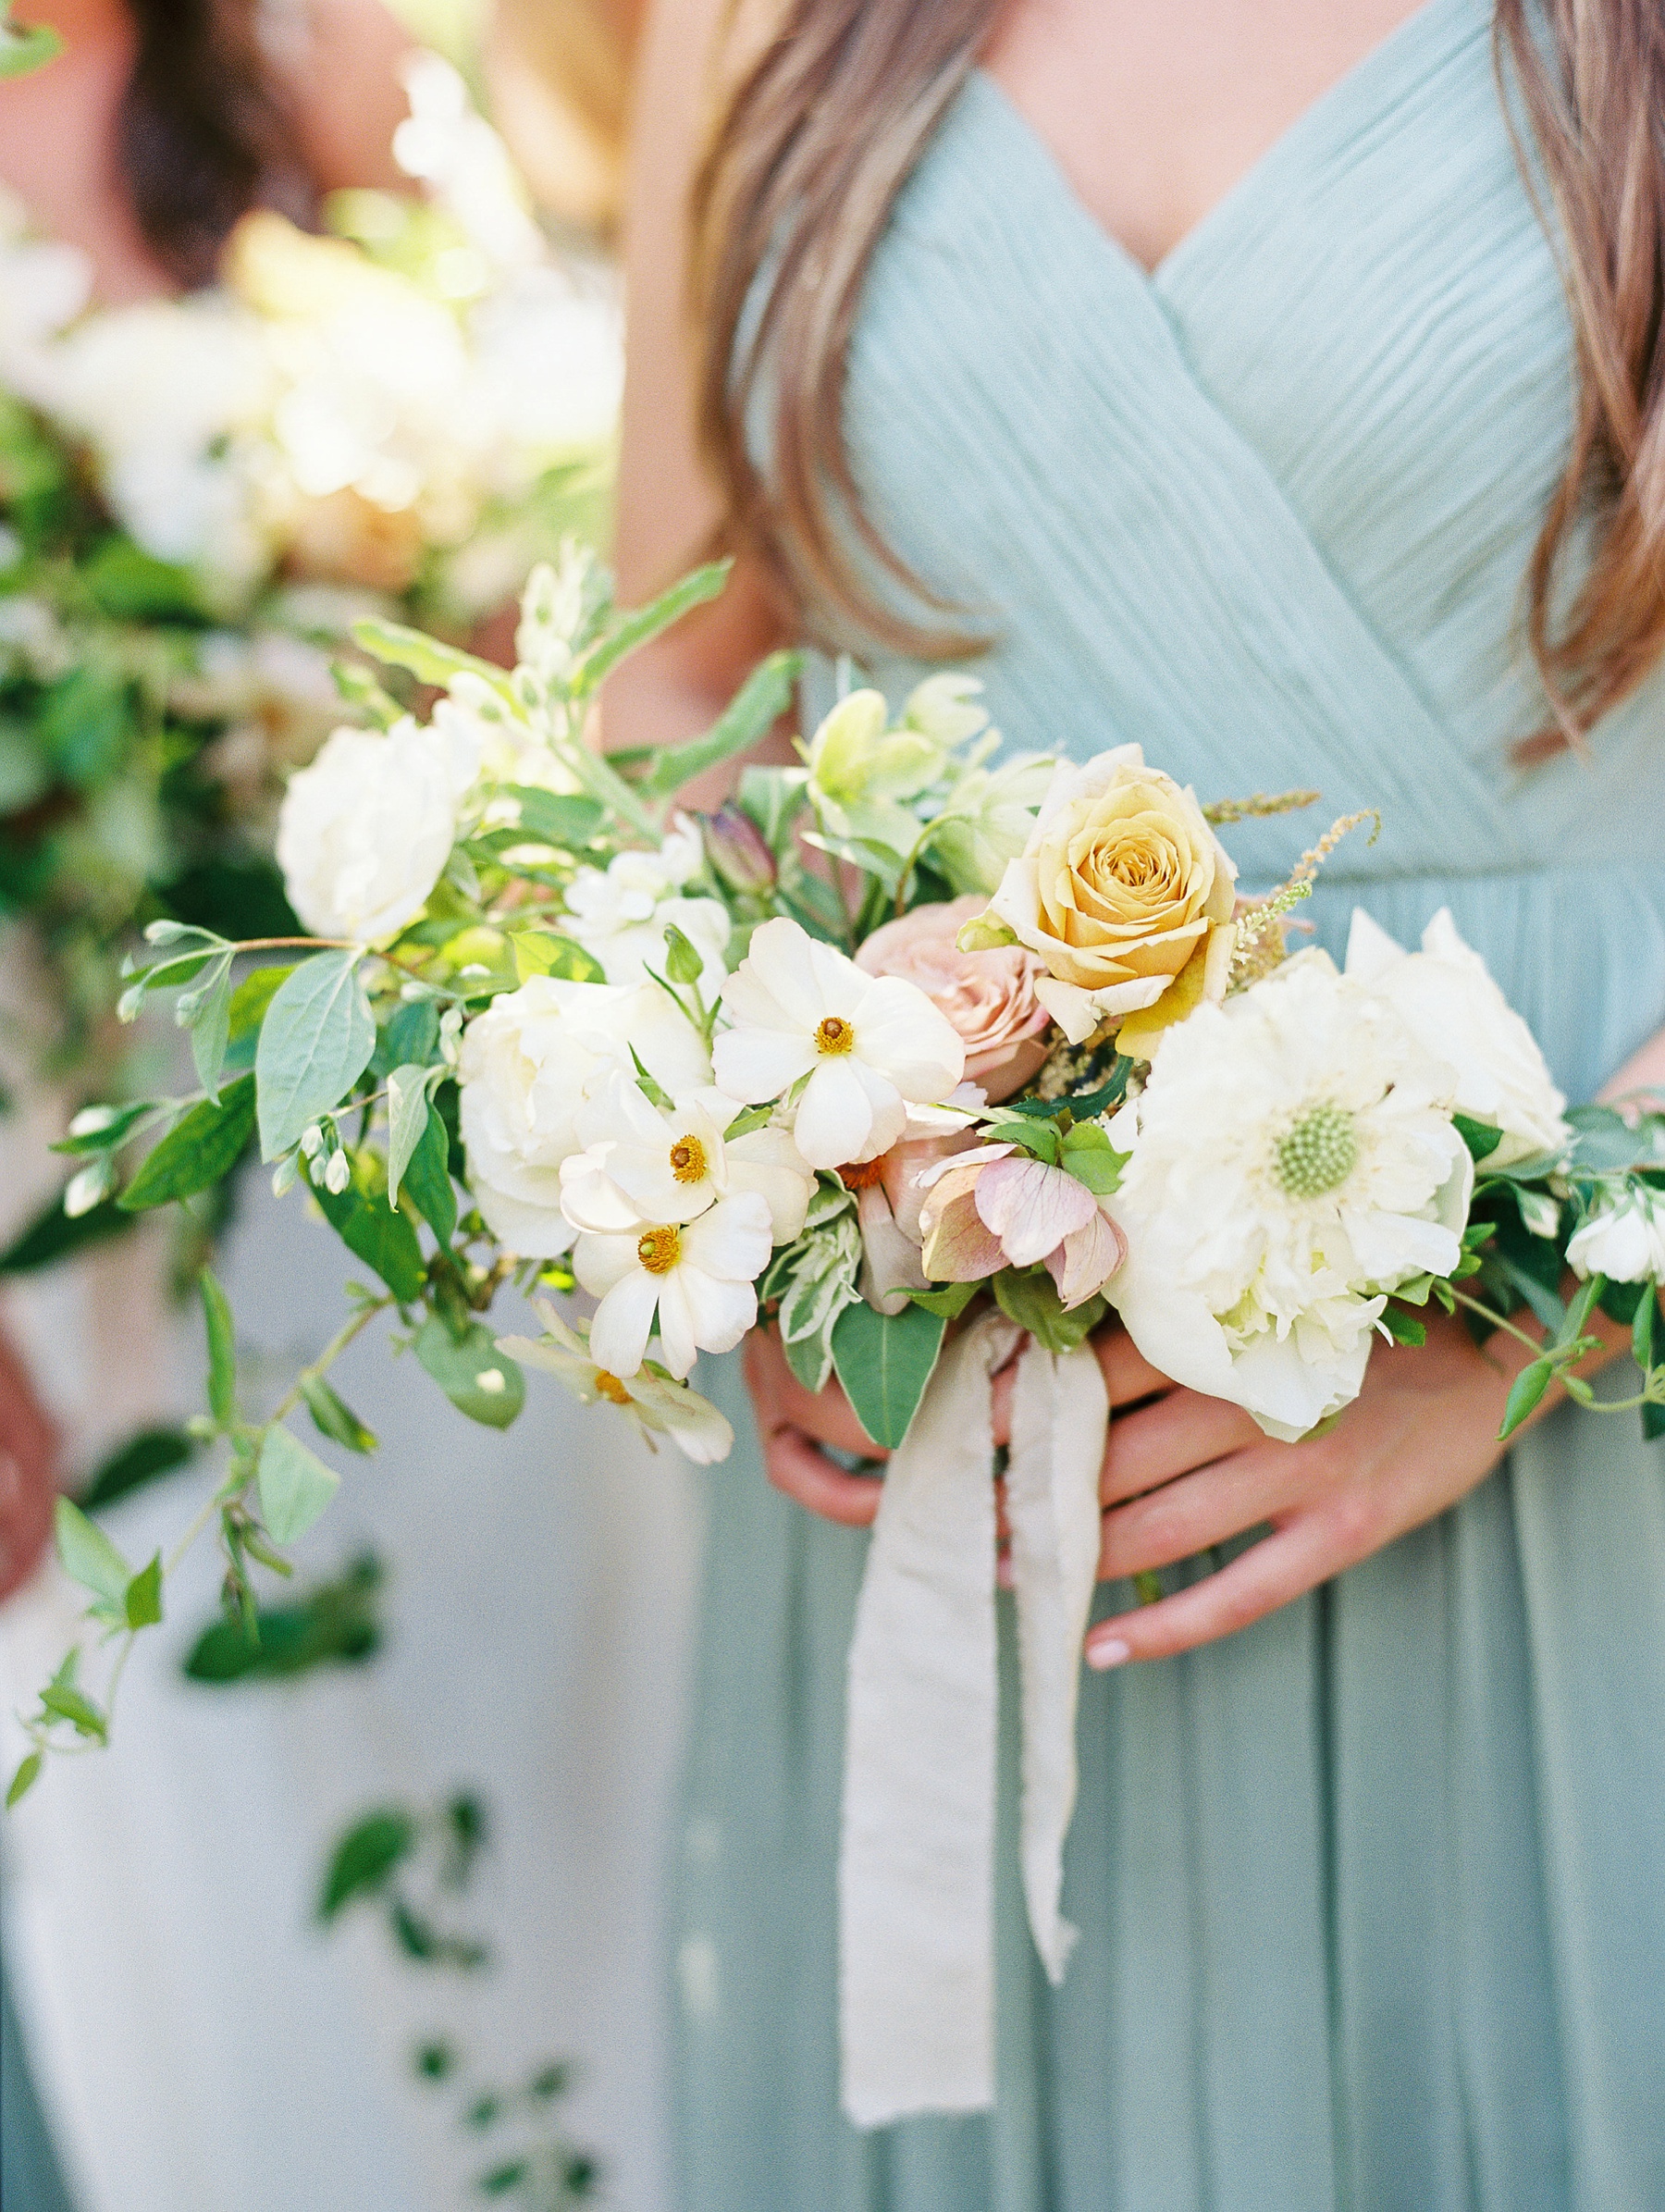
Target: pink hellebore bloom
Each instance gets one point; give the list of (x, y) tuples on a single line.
[(890, 1192), (1006, 1209)]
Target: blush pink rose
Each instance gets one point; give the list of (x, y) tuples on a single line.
[(987, 997)]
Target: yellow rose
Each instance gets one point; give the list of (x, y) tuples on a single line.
[(1122, 890)]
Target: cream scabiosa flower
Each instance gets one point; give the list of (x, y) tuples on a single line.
[(1446, 998), (364, 833), (869, 1045), (1295, 1160), (657, 1406), (644, 1163), (695, 1280), (527, 1066)]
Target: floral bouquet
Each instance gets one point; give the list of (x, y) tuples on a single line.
[(925, 1061), (198, 497)]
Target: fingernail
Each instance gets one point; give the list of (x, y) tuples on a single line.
[(1004, 1576), (1108, 1653)]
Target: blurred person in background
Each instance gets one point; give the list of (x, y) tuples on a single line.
[(189, 2051), (559, 73)]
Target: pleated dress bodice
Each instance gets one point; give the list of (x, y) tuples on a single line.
[(1373, 1894)]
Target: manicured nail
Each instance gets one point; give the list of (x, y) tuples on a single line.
[(1005, 1575), (1110, 1652)]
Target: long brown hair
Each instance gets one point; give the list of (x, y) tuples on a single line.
[(203, 135), (824, 126)]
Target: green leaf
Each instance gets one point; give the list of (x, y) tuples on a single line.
[(200, 1150), (653, 1090), (755, 708), (332, 1417), (88, 1555), (222, 1348), (295, 1486), (427, 1178), (372, 1230), (145, 1457), (885, 1362), (1032, 1300), (554, 817), (210, 1024), (334, 1625), (1480, 1137), (641, 627), (1404, 1327), (66, 1704), (396, 646), (21, 52), (53, 1235), (108, 1132), (314, 1044), (1642, 1328), (1524, 1394), (1090, 1157), (748, 1119), (951, 1302), (24, 1780), (366, 1856), (500, 2179), (143, 1602), (541, 952), (479, 1380), (407, 1120)]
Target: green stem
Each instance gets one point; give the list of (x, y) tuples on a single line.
[(1533, 1344), (329, 1356)]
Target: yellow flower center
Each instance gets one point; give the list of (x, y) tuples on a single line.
[(611, 1387), (835, 1034), (688, 1160), (660, 1249)]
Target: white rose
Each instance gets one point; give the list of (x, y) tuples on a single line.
[(1624, 1241), (364, 833), (1446, 998), (529, 1063)]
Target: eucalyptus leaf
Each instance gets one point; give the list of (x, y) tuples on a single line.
[(88, 1556), (314, 1044), (294, 1484), (200, 1150), (885, 1362)]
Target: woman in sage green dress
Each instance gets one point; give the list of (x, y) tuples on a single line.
[(1215, 362)]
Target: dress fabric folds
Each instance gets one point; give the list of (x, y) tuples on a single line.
[(1373, 1895)]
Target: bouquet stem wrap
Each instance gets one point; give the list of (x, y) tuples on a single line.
[(917, 1869)]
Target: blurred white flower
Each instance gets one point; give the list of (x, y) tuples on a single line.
[(862, 1047), (1625, 1239), (363, 834), (1446, 998), (659, 1407), (696, 1281), (528, 1064), (620, 913), (642, 1163), (1295, 1160)]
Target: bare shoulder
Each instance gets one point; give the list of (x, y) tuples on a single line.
[(343, 71)]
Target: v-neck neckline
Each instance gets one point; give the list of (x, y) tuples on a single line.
[(1364, 80)]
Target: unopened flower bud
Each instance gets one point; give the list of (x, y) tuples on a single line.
[(738, 849), (339, 1173)]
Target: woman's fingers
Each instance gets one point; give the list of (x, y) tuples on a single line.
[(1170, 1436), (1128, 1376), (1235, 1493), (796, 1465)]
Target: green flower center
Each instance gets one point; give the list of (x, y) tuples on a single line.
[(1318, 1154)]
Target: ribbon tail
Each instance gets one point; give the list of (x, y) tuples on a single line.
[(917, 1864), (1060, 1415)]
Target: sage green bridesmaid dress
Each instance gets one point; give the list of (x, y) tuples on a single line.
[(1373, 1895)]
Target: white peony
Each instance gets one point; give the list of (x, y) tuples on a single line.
[(364, 833), (642, 1163), (863, 1047), (695, 1281), (529, 1063), (1294, 1159), (1625, 1239), (1446, 998)]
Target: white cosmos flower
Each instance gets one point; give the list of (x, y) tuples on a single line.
[(364, 833), (1625, 1239), (529, 1063), (656, 1405), (1295, 1160), (1446, 998), (699, 1277), (870, 1045), (642, 1163)]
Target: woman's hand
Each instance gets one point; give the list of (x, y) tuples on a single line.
[(28, 1474), (1184, 1472), (793, 1423)]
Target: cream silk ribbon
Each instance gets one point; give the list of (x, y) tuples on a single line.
[(917, 1869)]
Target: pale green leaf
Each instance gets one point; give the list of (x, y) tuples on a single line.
[(407, 1118), (295, 1486), (314, 1044), (885, 1362), (88, 1555)]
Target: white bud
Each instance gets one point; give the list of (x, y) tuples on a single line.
[(339, 1173), (312, 1140)]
